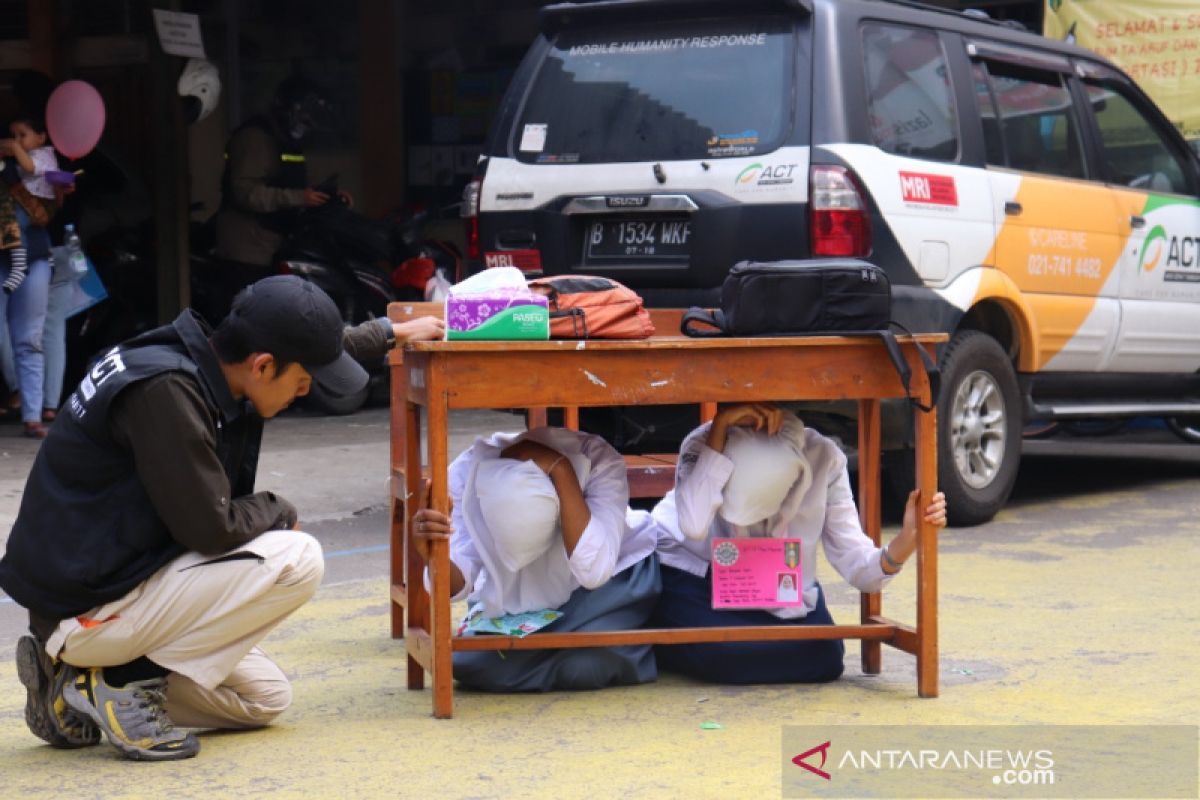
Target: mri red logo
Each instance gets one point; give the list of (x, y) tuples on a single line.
[(919, 187), (823, 749)]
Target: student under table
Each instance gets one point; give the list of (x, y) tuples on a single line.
[(438, 376)]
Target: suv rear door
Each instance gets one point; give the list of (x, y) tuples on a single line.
[(656, 151), (914, 153)]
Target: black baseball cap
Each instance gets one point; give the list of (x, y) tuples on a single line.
[(294, 320)]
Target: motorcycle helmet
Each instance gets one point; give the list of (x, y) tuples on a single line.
[(300, 107), (200, 88)]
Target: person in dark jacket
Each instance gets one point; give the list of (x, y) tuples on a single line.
[(264, 187), (149, 565), (265, 182)]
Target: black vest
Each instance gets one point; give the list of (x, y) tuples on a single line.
[(290, 173), (87, 533)]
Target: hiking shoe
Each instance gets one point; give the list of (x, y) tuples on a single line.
[(46, 712), (131, 716)]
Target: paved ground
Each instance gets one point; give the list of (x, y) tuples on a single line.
[(1077, 604)]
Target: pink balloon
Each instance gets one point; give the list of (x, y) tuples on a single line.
[(75, 118)]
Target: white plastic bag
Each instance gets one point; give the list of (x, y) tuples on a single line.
[(491, 280), (437, 288)]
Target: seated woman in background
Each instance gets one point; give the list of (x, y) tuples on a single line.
[(756, 471), (541, 522)]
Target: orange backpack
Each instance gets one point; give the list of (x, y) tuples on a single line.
[(588, 307)]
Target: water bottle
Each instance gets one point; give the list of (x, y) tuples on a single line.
[(76, 260)]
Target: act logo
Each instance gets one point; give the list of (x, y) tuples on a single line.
[(769, 175), (748, 174), (818, 770), (1152, 249)]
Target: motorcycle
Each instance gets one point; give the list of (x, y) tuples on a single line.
[(361, 263)]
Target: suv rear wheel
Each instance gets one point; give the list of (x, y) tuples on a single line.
[(979, 433), (979, 428)]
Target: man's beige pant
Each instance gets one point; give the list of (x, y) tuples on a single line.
[(201, 617)]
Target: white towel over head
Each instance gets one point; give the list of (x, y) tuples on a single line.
[(517, 505), (766, 470)]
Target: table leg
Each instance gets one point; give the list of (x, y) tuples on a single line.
[(443, 677), (396, 520), (417, 600), (869, 512), (927, 548), (396, 545)]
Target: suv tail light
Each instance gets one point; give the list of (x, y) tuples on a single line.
[(470, 215), (837, 213)]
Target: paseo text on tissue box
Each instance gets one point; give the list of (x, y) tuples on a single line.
[(497, 314)]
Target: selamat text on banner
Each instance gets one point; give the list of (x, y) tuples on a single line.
[(1156, 41)]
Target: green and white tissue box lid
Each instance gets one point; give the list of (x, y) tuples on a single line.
[(496, 305)]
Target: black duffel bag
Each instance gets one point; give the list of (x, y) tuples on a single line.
[(842, 297)]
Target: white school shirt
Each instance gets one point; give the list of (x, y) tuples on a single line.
[(615, 538), (687, 517)]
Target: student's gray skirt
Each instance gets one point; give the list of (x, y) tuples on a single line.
[(624, 603)]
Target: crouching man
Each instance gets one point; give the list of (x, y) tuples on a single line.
[(149, 565)]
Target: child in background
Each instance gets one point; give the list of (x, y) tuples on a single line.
[(34, 159)]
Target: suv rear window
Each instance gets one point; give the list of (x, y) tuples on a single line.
[(689, 90), (909, 103)]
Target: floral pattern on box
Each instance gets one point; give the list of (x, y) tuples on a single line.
[(469, 311)]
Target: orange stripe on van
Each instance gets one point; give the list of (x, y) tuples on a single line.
[(87, 623), (1058, 254)]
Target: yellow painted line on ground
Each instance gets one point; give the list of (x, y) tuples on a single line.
[(1092, 622)]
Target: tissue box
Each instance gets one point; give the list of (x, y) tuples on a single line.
[(497, 314)]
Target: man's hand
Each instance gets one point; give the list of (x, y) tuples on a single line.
[(428, 525), (422, 329), (313, 198), (759, 416)]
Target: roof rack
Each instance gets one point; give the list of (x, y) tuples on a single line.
[(977, 14), (554, 17)]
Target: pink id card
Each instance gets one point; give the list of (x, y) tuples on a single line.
[(756, 573)]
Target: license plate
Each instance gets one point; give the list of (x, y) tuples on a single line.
[(658, 239)]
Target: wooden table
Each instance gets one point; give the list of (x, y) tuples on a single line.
[(439, 376)]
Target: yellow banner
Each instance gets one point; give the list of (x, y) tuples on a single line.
[(1157, 42)]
